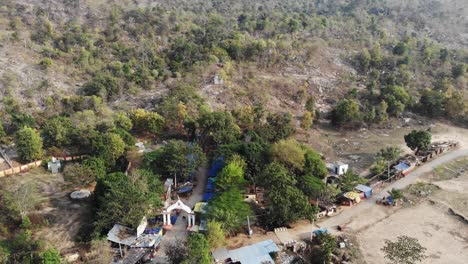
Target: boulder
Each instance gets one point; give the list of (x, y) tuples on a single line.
[(80, 194)]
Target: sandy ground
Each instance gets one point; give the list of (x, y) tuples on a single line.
[(58, 218), (444, 236), (431, 221)]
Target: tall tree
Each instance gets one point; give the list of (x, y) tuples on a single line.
[(418, 140), (29, 144), (232, 175), (289, 153), (218, 127), (277, 126), (110, 148), (176, 159), (327, 243), (198, 250), (389, 154), (125, 200), (229, 209), (313, 163), (307, 120), (346, 113), (215, 235), (57, 132), (349, 180), (406, 250)]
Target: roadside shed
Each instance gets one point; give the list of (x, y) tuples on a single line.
[(402, 167), (364, 189)]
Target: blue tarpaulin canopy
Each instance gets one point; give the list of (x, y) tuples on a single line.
[(321, 230), (210, 185), (185, 189), (207, 196), (216, 166), (402, 166)]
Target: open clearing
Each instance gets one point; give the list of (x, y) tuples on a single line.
[(444, 236), (437, 220), (56, 219)]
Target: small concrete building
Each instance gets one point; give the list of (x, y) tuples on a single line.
[(54, 166), (340, 168)]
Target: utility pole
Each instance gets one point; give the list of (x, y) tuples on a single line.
[(248, 224)]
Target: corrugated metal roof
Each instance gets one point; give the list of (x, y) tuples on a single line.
[(253, 254)]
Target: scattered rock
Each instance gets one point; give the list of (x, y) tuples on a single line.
[(72, 257), (342, 245)]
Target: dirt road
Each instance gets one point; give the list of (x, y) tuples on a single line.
[(179, 229), (346, 216)]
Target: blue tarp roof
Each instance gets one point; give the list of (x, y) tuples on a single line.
[(210, 184), (321, 230), (216, 166), (402, 166), (207, 196), (363, 188), (185, 189)]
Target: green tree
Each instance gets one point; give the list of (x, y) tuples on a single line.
[(125, 199), (381, 114), (110, 148), (2, 133), (418, 140), (400, 49), (327, 243), (312, 186), (349, 180), (232, 175), (145, 121), (307, 120), (278, 126), (176, 158), (397, 98), (396, 194), (406, 250), (102, 85), (455, 105), (29, 144), (229, 209), (379, 166), (121, 120), (287, 203), (459, 70), (57, 132), (198, 250), (215, 235), (313, 164), (346, 113), (50, 256), (218, 127), (432, 103), (289, 153), (310, 104), (389, 154), (83, 174), (364, 60)]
